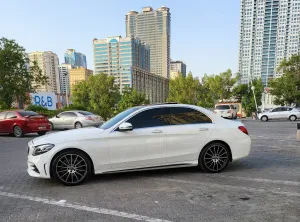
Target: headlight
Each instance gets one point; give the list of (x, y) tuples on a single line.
[(40, 149)]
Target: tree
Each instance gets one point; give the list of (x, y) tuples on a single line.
[(81, 94), (184, 89), (98, 94), (130, 98), (244, 93), (15, 77), (286, 89), (219, 86)]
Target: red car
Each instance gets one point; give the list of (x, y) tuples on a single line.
[(21, 122)]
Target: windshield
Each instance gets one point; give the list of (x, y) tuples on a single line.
[(222, 107), (118, 118), (28, 113), (85, 113)]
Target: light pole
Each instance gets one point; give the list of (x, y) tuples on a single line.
[(67, 96), (253, 88)]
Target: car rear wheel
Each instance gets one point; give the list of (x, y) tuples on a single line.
[(214, 158), (264, 118), (71, 168), (78, 125), (42, 133), (18, 132), (293, 118)]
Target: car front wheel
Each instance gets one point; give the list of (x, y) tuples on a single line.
[(71, 167), (214, 158), (264, 118), (293, 118), (18, 131)]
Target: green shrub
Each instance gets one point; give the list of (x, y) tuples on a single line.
[(36, 108)]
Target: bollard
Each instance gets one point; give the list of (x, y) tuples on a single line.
[(298, 132)]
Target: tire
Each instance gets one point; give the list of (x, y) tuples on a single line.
[(42, 133), (214, 158), (65, 170), (77, 125), (293, 118), (18, 132), (264, 118), (52, 126)]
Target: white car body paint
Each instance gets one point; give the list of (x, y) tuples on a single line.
[(155, 147)]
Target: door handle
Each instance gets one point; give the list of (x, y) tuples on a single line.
[(157, 131), (203, 129)]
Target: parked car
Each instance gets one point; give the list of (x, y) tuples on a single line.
[(20, 122), (226, 111), (280, 113), (140, 138), (75, 119)]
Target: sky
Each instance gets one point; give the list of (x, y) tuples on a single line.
[(204, 34)]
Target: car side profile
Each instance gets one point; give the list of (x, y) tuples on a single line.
[(75, 120), (20, 122), (140, 138), (283, 112)]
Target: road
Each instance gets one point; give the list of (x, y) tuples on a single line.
[(263, 187)]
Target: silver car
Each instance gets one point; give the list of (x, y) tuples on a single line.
[(75, 120), (282, 112)]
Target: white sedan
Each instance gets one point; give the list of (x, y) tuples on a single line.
[(140, 138), (288, 113)]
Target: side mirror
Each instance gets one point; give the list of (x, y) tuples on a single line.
[(57, 116), (125, 127)]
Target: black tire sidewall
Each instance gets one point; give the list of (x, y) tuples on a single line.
[(264, 117), (14, 131), (53, 167), (290, 118), (201, 158), (78, 123), (42, 133)]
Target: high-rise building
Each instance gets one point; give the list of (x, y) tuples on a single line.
[(64, 77), (269, 32), (128, 60), (79, 74), (178, 66), (48, 63), (75, 58), (116, 56), (154, 28)]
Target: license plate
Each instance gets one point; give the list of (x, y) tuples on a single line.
[(42, 127)]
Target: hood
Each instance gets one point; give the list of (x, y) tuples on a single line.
[(69, 135)]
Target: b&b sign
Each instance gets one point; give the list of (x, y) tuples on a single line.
[(45, 99)]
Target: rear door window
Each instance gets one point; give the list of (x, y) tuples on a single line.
[(10, 115), (183, 116), (2, 115)]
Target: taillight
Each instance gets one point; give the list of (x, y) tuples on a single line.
[(88, 118), (243, 129)]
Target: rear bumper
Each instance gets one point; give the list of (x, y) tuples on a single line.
[(37, 128)]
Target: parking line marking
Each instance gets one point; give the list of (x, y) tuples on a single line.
[(231, 187), (82, 207), (260, 180)]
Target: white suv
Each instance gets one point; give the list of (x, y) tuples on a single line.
[(280, 113), (226, 111)]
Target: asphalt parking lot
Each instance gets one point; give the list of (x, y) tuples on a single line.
[(263, 187)]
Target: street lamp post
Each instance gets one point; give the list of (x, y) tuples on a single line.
[(67, 96), (253, 88)]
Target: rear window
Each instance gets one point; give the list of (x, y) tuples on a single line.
[(85, 113), (222, 107), (28, 113)]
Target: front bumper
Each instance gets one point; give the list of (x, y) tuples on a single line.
[(38, 166)]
